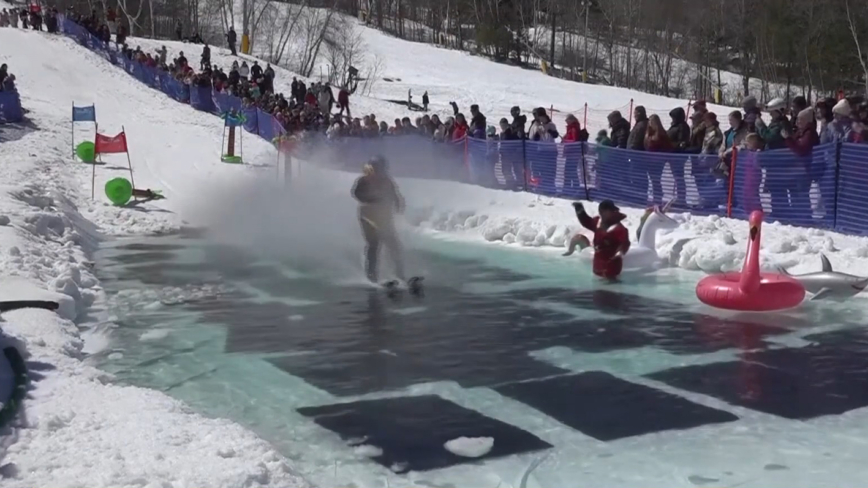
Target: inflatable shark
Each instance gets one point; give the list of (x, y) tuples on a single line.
[(829, 283)]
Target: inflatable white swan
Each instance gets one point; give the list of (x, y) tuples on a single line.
[(644, 253)]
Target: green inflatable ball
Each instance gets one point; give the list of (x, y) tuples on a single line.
[(86, 151), (119, 191)]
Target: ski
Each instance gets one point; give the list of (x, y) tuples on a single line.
[(413, 285)]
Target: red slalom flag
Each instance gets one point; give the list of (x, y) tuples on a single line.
[(111, 145)]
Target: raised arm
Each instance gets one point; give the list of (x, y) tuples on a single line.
[(586, 220)]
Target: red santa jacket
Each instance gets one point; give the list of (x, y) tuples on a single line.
[(607, 242)]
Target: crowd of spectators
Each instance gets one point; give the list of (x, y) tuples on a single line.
[(317, 108), (30, 18)]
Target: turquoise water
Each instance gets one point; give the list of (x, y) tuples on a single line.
[(356, 386)]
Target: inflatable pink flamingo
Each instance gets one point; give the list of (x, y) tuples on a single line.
[(751, 290)]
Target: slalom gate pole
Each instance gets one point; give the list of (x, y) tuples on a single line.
[(586, 115), (72, 124), (631, 111), (585, 173), (223, 140), (287, 171), (129, 162), (92, 180), (838, 147), (277, 165), (732, 170)]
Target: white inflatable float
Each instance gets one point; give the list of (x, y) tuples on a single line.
[(643, 255)]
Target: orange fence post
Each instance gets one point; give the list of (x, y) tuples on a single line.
[(631, 111), (731, 181)]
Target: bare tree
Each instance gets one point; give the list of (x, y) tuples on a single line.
[(863, 61)]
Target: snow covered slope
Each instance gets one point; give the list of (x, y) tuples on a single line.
[(450, 75), (76, 428)]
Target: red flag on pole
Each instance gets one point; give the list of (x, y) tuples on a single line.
[(111, 145)]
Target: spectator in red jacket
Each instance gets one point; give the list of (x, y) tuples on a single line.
[(460, 130), (803, 141), (611, 239), (310, 99), (574, 133)]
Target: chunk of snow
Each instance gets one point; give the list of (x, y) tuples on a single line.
[(472, 447), (368, 450), (154, 335)]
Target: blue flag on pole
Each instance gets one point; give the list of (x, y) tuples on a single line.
[(84, 114)]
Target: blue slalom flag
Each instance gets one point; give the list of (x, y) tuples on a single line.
[(84, 114), (233, 119)]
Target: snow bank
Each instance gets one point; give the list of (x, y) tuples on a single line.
[(716, 244), (76, 427)]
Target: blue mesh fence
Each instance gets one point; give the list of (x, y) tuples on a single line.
[(200, 99), (852, 190), (826, 189)]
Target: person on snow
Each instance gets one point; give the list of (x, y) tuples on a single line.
[(379, 200), (702, 167), (425, 101), (841, 125), (636, 139), (679, 135), (543, 129), (519, 122), (611, 239), (231, 39), (255, 71), (206, 57), (460, 129), (751, 112), (771, 133), (799, 103), (656, 140), (477, 120), (620, 129), (575, 132), (244, 70), (344, 101), (802, 170)]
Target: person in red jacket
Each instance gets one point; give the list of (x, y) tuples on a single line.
[(611, 238), (310, 99), (574, 133), (460, 130)]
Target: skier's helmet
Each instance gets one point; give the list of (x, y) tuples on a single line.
[(379, 164)]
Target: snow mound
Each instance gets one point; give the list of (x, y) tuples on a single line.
[(472, 447), (154, 335), (368, 450)]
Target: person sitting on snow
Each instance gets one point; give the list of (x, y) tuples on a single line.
[(611, 238)]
